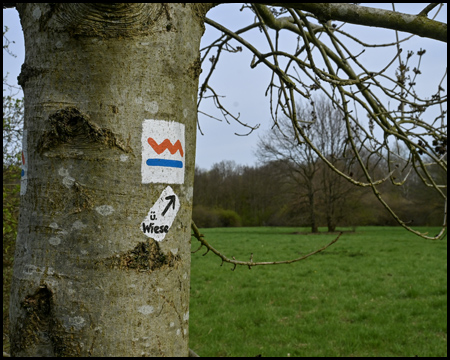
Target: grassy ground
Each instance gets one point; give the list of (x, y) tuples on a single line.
[(376, 292)]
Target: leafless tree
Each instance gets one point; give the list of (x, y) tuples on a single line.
[(324, 60), (300, 163), (304, 167)]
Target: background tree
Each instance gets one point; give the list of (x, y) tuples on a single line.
[(300, 164), (12, 116), (252, 196), (310, 178), (12, 135), (264, 196)]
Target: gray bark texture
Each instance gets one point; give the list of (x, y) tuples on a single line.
[(87, 279)]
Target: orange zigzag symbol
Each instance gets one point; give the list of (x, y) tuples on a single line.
[(166, 144)]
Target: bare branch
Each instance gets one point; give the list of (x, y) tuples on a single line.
[(200, 237), (427, 9), (330, 66), (362, 15)]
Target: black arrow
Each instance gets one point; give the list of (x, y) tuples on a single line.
[(172, 199)]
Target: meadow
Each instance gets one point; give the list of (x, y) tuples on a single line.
[(378, 291)]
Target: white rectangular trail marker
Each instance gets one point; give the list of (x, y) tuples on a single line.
[(162, 152)]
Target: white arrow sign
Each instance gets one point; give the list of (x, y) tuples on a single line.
[(161, 216)]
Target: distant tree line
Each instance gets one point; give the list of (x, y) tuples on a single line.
[(266, 195), (293, 187)]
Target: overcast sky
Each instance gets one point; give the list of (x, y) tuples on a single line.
[(244, 88)]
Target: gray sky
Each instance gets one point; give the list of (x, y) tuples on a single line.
[(244, 87)]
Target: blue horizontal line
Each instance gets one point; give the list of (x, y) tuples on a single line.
[(165, 162)]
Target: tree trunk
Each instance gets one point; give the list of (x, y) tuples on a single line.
[(312, 211), (102, 260), (330, 224)]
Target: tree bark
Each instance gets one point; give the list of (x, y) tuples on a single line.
[(98, 79)]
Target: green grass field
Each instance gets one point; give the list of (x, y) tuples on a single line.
[(378, 291)]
